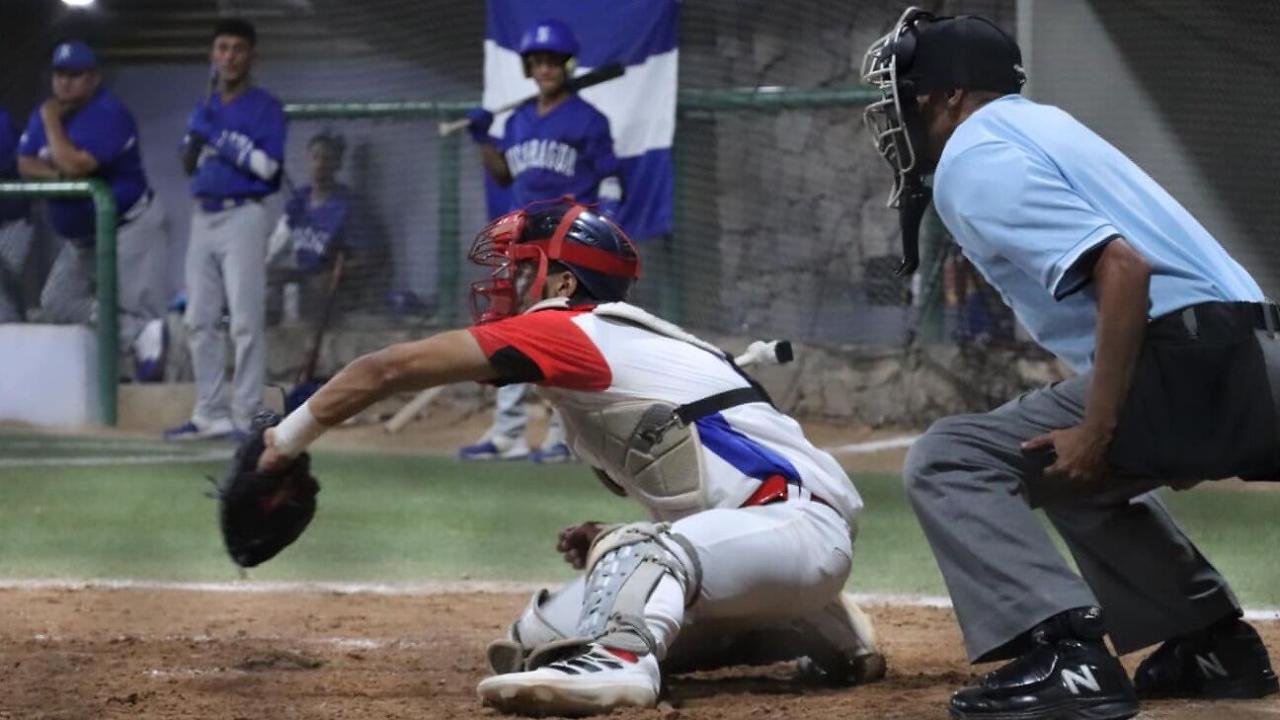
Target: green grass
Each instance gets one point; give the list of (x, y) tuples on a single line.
[(405, 519)]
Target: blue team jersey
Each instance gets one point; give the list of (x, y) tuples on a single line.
[(317, 231), (10, 208), (256, 116), (105, 129), (568, 151), (1031, 194)]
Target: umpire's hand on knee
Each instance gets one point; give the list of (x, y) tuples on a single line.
[(574, 542)]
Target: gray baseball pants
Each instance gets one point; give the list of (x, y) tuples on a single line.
[(974, 491), (226, 268), (15, 244), (511, 417), (70, 291)]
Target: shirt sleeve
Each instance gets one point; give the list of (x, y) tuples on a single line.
[(269, 134), (1007, 202), (112, 133), (546, 347), (32, 139)]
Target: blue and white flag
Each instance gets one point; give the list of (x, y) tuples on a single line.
[(642, 35)]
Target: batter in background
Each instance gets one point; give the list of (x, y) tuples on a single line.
[(233, 149), (1177, 365), (553, 146)]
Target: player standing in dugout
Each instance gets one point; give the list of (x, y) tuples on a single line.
[(554, 146), (233, 150), (1177, 367)]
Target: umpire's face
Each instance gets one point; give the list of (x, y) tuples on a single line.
[(940, 112)]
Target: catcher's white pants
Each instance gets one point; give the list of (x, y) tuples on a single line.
[(760, 566)]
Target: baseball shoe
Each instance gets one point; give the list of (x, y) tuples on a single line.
[(187, 431), (595, 681), (1227, 660), (1068, 674), (491, 449), (149, 352), (840, 646), (553, 453)]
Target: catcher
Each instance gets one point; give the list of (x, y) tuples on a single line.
[(752, 527)]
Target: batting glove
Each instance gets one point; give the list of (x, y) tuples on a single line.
[(479, 121), (203, 125)]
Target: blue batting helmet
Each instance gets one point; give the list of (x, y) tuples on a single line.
[(549, 36)]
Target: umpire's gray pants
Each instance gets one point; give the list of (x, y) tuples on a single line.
[(70, 292), (226, 267), (15, 245), (973, 490)]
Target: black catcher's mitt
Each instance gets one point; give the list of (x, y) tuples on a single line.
[(262, 513)]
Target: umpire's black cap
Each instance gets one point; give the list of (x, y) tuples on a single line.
[(966, 51)]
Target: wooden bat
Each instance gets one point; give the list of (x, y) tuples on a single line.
[(604, 73), (411, 409)]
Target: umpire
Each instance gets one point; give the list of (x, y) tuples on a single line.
[(1176, 354)]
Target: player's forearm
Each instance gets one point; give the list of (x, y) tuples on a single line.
[(33, 168), (1122, 280), (70, 160), (495, 165)]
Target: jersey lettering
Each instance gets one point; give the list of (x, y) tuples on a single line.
[(1074, 680), (542, 154)]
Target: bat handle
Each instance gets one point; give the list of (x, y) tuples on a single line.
[(448, 128)]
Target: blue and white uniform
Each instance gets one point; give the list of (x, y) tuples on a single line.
[(239, 164), (317, 232), (568, 151), (15, 229), (105, 129)]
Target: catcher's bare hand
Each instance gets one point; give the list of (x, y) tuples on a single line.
[(271, 460), (1081, 452), (574, 542)]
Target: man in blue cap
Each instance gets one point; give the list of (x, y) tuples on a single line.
[(83, 132)]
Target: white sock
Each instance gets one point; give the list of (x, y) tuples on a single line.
[(664, 612)]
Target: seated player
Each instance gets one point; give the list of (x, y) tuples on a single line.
[(750, 540), (318, 224)]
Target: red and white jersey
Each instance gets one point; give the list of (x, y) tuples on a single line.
[(584, 361)]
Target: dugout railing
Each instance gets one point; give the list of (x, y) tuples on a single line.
[(104, 204)]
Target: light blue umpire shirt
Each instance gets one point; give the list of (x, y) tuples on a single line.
[(1031, 195)]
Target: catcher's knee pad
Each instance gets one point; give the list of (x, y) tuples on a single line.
[(623, 568), (532, 630)]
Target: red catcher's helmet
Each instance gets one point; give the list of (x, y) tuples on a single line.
[(520, 245)]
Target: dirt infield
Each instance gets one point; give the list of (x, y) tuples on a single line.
[(99, 653)]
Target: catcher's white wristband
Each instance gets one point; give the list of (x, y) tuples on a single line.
[(297, 431)]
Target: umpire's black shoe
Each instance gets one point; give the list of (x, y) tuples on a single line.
[(1068, 674), (1227, 660)]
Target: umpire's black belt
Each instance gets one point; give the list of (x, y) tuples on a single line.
[(1202, 403)]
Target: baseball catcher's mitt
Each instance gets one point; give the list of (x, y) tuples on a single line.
[(261, 513)]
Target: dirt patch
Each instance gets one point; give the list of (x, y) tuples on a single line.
[(170, 654)]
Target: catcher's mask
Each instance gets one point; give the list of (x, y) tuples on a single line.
[(521, 245), (920, 54)]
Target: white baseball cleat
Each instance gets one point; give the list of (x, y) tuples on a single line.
[(593, 682)]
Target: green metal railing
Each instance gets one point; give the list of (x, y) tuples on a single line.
[(691, 101), (104, 204)]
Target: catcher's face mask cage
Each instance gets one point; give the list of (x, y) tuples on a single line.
[(520, 254), (883, 66)]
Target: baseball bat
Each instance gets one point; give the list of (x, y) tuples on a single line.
[(411, 409), (604, 73)]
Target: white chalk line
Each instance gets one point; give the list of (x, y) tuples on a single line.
[(91, 461), (872, 446), (437, 587)]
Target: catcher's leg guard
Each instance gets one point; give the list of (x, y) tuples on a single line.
[(613, 661), (548, 618)]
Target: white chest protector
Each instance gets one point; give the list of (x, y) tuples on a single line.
[(648, 448)]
